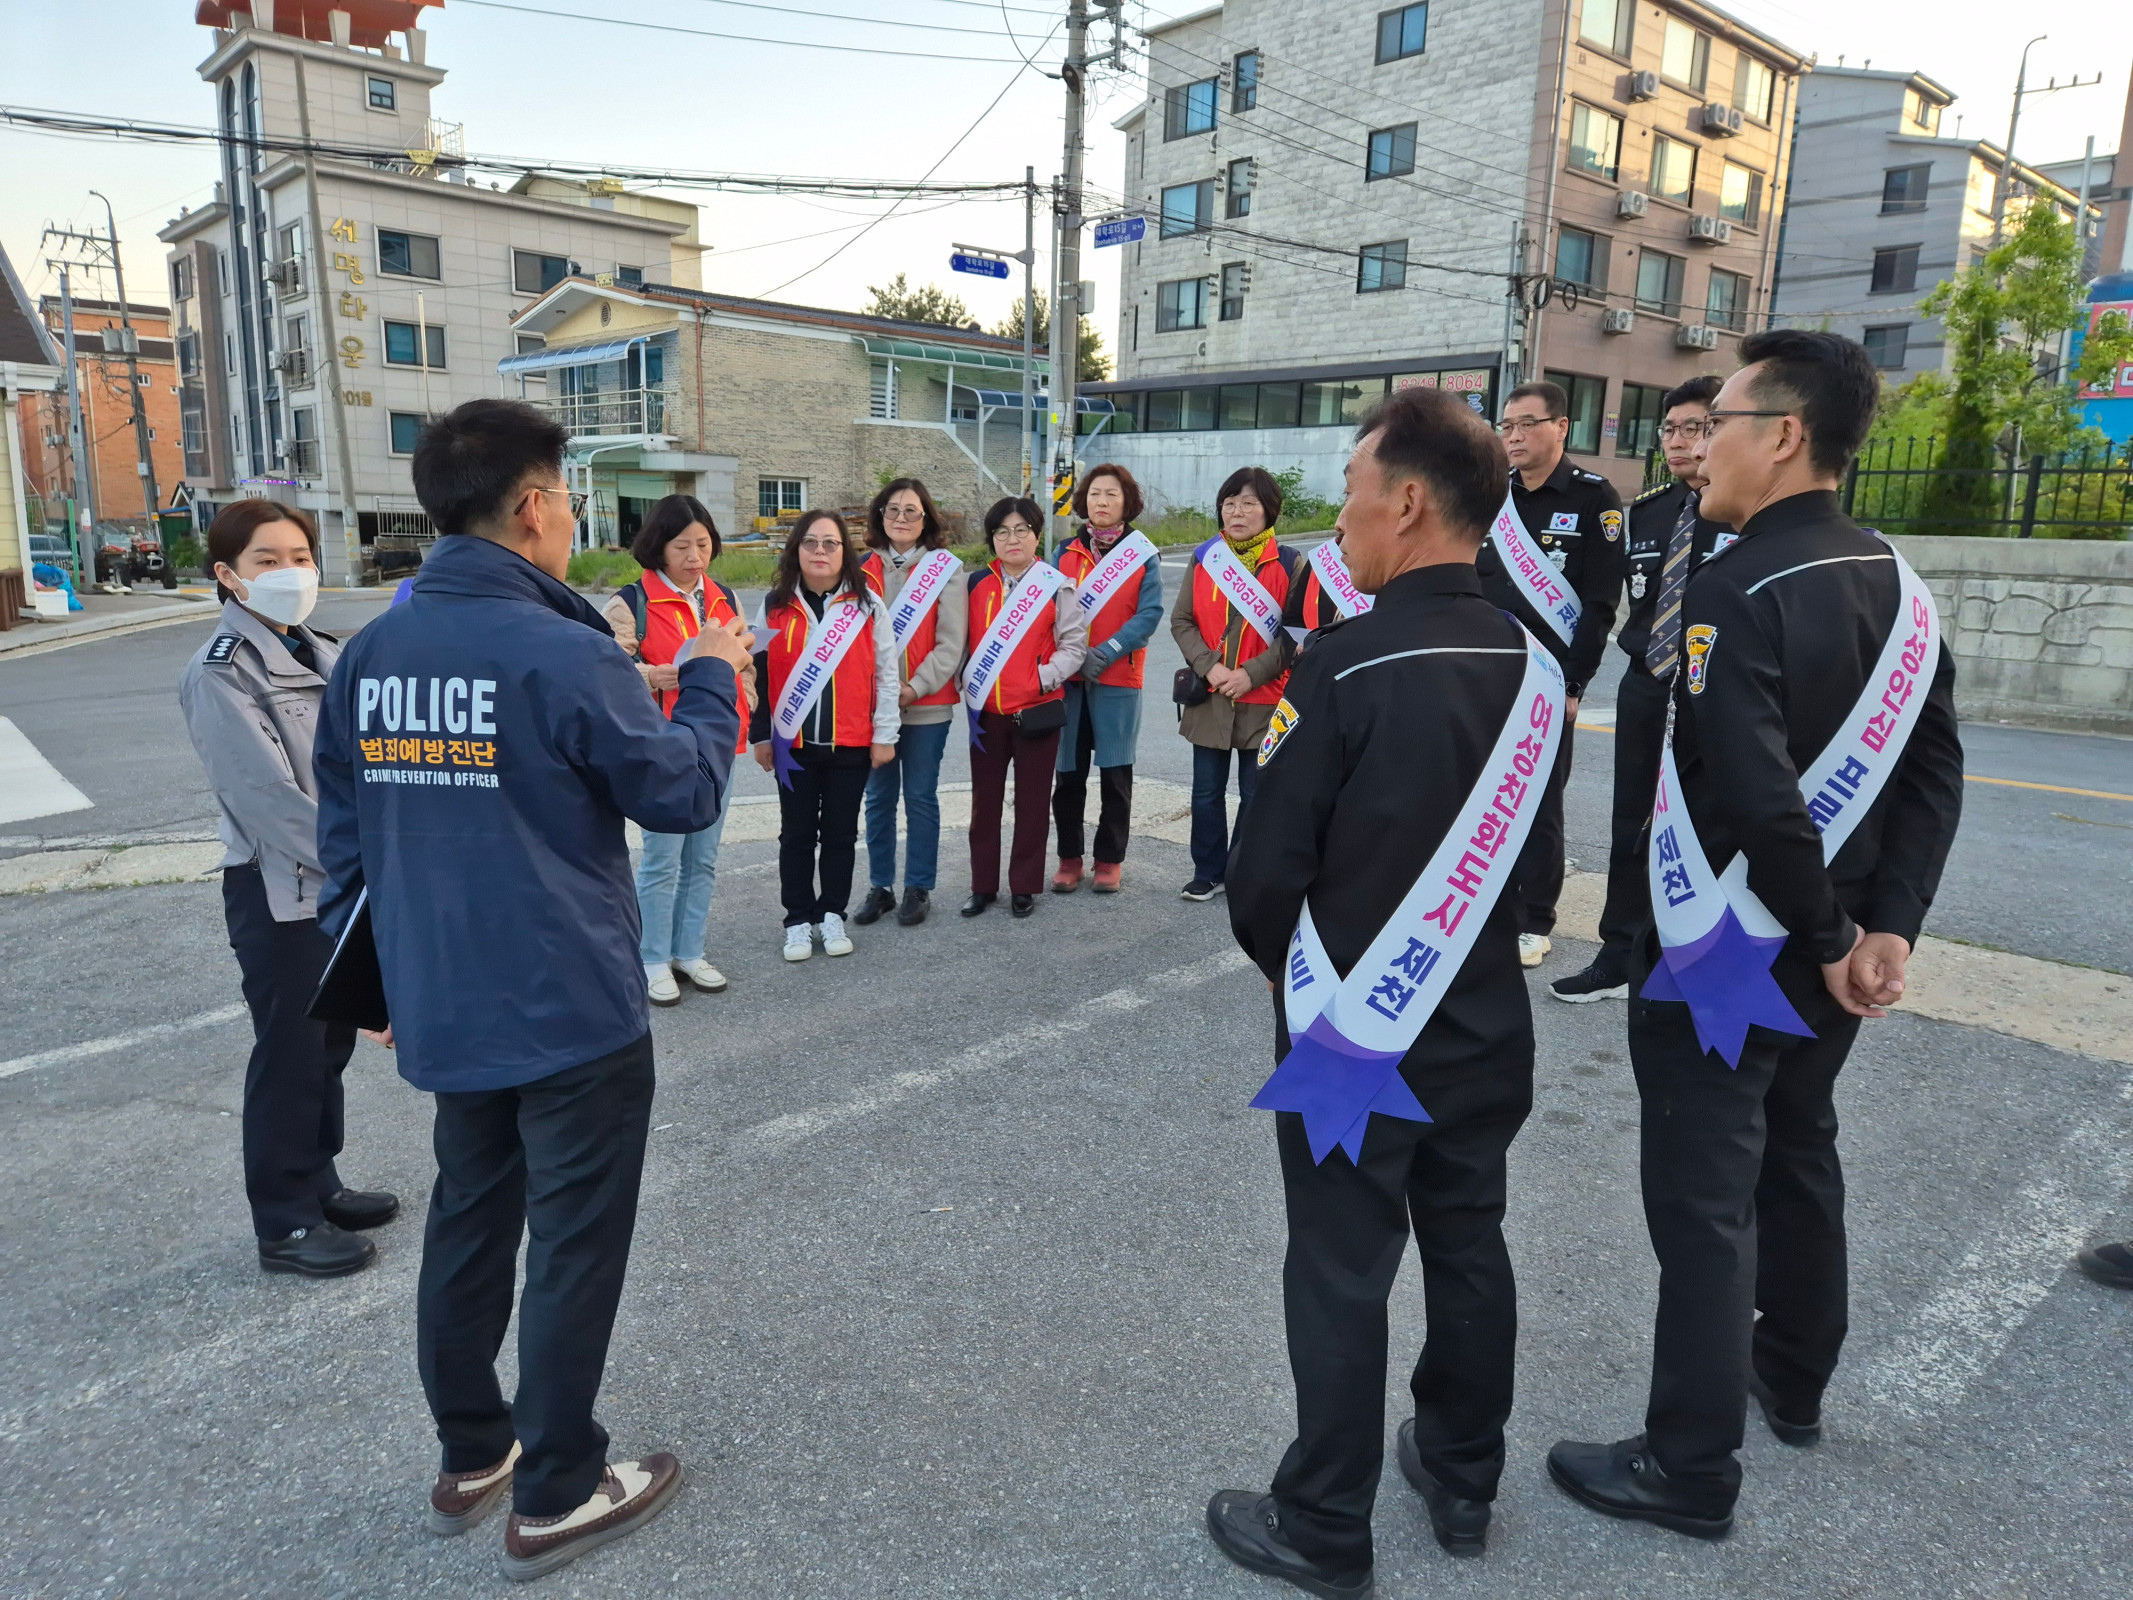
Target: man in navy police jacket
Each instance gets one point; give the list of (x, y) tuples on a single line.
[(478, 749)]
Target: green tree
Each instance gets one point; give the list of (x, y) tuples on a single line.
[(1092, 365), (898, 299)]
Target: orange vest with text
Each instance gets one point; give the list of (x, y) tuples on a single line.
[(1015, 686), (670, 622), (1212, 611), (1077, 559), (923, 637), (849, 696)]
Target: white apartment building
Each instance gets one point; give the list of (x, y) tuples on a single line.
[(328, 302)]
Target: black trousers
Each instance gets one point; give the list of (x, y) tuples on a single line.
[(557, 1160), (1537, 877), (1348, 1228), (820, 812), (1744, 1198), (1640, 734), (292, 1084), (1114, 804)]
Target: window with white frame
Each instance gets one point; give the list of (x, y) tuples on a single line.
[(776, 496)]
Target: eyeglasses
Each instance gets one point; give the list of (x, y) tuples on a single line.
[(1694, 428), (902, 513), (1014, 530), (1512, 427), (577, 500), (824, 547), (1710, 427)]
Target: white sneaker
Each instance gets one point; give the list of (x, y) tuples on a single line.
[(835, 941), (701, 973), (1533, 949), (660, 986), (799, 942)]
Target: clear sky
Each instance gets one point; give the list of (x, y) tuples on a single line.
[(568, 88)]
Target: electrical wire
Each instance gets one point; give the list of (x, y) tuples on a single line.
[(739, 38), (846, 16)]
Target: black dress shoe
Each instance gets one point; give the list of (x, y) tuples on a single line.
[(1246, 1528), (1461, 1525), (878, 903), (1797, 1431), (321, 1252), (1022, 904), (1624, 1480), (976, 904), (356, 1209), (917, 902), (2110, 1264)]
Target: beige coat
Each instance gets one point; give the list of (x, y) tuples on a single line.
[(624, 622)]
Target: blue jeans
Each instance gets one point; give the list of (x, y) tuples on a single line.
[(675, 878), (917, 769), (1210, 815)]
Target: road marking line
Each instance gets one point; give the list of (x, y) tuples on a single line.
[(2048, 788), (781, 1133), (2020, 1257), (31, 786), (120, 1041)]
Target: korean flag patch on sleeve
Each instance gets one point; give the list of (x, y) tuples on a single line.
[(1284, 721)]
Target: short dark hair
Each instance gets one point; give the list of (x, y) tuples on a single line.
[(1117, 474), (1830, 380), (786, 584), (469, 461), (668, 520), (235, 523), (1700, 390), (1440, 439), (1014, 505), (1548, 394), (1260, 482), (878, 535)]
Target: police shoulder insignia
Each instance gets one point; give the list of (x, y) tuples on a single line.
[(1588, 477), (1611, 525), (223, 646), (1698, 642), (1284, 720), (1656, 490)]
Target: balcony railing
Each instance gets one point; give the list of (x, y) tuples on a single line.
[(302, 456), (609, 413)]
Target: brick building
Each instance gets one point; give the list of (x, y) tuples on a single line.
[(29, 371), (109, 480)]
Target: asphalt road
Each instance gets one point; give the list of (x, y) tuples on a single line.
[(958, 1267)]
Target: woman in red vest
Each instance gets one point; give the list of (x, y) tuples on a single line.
[(826, 718), (904, 530), (1243, 672), (653, 618), (1014, 691), (1103, 703)]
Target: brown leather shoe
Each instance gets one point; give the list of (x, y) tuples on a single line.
[(1068, 878), (631, 1493), (1107, 875), (458, 1500)]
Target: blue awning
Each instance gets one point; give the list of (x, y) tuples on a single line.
[(584, 355), (1012, 400)]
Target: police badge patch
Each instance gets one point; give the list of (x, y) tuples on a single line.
[(1277, 729), (1611, 525), (1636, 586), (1698, 642)]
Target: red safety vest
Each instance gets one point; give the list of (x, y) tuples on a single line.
[(670, 621), (1318, 607), (923, 638), (1077, 559), (1211, 610), (849, 695), (1014, 686)]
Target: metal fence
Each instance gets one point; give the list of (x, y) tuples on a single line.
[(1898, 486)]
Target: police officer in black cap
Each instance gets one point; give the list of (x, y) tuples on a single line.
[(1640, 700), (1575, 517), (1774, 657), (1380, 745)]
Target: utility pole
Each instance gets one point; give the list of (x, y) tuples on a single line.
[(2003, 190), (1029, 325), (84, 484), (144, 458), (1066, 270)]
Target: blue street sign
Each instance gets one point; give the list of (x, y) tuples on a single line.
[(1121, 230), (983, 266)]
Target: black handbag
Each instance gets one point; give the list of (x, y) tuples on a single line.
[(1188, 688), (1046, 716)]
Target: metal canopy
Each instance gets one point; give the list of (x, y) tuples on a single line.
[(947, 355), (583, 355), (1012, 400)]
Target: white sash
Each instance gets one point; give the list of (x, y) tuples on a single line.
[(828, 638), (1334, 578), (920, 594), (1243, 591), (1397, 983), (1127, 557), (1533, 574), (1023, 604)]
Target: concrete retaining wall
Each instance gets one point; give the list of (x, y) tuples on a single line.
[(2042, 629)]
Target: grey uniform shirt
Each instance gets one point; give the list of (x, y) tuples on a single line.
[(252, 710)]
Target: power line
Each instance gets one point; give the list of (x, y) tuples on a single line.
[(846, 16), (741, 38)]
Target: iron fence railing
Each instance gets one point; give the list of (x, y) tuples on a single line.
[(1903, 486)]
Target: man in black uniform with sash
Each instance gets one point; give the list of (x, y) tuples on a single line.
[(1374, 755), (1640, 701), (1780, 652), (1575, 517)]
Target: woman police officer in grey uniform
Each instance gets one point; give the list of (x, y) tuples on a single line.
[(251, 699)]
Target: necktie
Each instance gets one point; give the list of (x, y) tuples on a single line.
[(1663, 653)]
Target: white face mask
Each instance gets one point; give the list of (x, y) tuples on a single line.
[(284, 595)]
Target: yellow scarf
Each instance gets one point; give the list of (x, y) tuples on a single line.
[(1253, 550)]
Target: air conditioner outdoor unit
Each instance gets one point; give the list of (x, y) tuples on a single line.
[(1632, 203), (1617, 319), (282, 274), (295, 365), (1723, 120), (1644, 86), (1709, 229), (1694, 336)]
